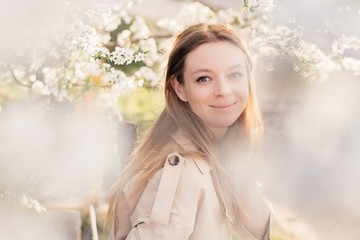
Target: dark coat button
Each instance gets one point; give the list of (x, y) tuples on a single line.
[(174, 160)]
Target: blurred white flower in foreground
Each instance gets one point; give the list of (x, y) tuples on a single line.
[(55, 225), (53, 156)]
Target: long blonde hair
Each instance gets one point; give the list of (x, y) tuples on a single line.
[(149, 155)]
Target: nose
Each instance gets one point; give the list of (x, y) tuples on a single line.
[(222, 87)]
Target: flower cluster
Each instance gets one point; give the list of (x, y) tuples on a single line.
[(343, 43), (271, 41), (122, 56), (351, 65), (266, 6), (81, 56)]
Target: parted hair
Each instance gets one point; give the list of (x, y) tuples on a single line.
[(149, 154)]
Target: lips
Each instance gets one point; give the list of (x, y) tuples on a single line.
[(223, 105)]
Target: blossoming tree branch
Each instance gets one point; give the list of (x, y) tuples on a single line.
[(103, 50)]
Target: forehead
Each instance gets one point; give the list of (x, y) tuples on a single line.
[(215, 55)]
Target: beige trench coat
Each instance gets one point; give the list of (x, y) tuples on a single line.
[(179, 203)]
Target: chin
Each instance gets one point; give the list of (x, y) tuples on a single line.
[(225, 124)]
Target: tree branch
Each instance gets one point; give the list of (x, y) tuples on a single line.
[(161, 36), (15, 78)]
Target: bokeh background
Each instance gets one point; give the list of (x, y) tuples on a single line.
[(81, 80)]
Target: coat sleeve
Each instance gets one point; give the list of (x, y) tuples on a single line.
[(168, 206)]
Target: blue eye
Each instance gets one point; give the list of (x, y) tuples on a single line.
[(203, 79), (235, 75)]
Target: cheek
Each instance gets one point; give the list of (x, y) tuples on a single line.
[(197, 95), (246, 92), (243, 91)]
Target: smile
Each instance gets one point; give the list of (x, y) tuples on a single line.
[(223, 106)]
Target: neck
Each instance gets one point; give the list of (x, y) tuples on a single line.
[(219, 134)]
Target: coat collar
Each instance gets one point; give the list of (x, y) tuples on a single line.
[(188, 146)]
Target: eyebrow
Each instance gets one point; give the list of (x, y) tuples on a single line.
[(200, 70), (236, 66), (208, 70)]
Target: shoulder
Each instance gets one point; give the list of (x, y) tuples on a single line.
[(185, 169), (180, 177), (176, 168), (190, 162)]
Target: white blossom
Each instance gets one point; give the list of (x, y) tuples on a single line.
[(38, 87), (38, 58), (351, 64), (84, 69), (103, 52), (148, 45), (148, 75), (345, 42), (123, 38), (139, 57), (125, 17), (151, 48), (268, 51), (19, 72), (104, 37), (79, 73), (62, 95), (127, 84), (265, 5), (106, 66), (311, 61), (103, 17), (109, 16), (188, 15), (139, 28), (281, 41), (51, 81), (170, 25), (114, 76), (32, 78), (85, 38), (229, 16), (113, 23), (122, 56)]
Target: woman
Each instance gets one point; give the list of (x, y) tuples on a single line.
[(189, 178)]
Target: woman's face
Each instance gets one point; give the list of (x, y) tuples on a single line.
[(215, 85)]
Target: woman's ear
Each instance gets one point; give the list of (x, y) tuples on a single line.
[(179, 89)]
